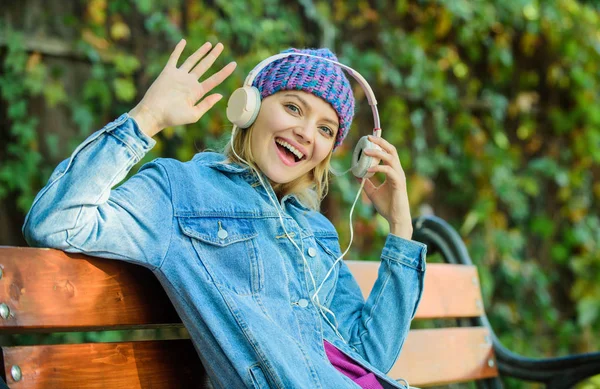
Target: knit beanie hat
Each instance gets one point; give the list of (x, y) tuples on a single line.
[(321, 78)]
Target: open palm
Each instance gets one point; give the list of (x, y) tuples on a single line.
[(177, 96)]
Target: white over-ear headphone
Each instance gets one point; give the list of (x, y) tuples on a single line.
[(244, 104)]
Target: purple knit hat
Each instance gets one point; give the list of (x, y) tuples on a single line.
[(321, 78)]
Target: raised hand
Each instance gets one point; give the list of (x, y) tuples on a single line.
[(177, 96), (390, 198)]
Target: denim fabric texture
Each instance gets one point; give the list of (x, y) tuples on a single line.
[(212, 237)]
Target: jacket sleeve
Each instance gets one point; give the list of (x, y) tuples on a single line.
[(376, 328), (78, 212)]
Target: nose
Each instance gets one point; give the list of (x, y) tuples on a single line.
[(305, 134)]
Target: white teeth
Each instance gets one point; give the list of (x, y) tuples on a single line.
[(288, 146)]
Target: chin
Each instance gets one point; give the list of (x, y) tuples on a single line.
[(280, 176), (277, 173)]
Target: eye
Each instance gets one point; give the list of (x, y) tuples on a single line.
[(292, 107), (327, 130)]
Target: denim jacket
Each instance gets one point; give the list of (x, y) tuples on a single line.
[(212, 237)]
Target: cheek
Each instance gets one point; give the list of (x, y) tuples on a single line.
[(269, 112), (321, 152), (254, 138), (278, 119)]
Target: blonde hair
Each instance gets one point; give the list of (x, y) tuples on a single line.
[(310, 188)]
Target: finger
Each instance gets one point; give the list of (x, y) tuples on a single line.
[(387, 159), (384, 144), (396, 177), (176, 53), (368, 190), (194, 58), (369, 187), (217, 78), (375, 181), (207, 61), (206, 104), (384, 156), (390, 149)]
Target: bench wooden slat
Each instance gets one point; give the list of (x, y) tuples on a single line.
[(54, 290), (429, 357), (450, 291), (446, 355), (172, 364)]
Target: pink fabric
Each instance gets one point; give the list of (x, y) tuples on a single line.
[(351, 369)]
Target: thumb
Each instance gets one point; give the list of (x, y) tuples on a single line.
[(369, 188)]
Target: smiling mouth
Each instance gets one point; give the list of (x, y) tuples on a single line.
[(288, 153)]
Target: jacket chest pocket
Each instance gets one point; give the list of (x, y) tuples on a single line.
[(328, 251), (227, 247)]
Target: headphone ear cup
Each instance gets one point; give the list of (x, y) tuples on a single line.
[(360, 161), (243, 106)]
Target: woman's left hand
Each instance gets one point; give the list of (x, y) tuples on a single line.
[(390, 198)]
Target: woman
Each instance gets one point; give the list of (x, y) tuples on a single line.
[(225, 252)]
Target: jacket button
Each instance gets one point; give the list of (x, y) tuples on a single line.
[(312, 252), (303, 303), (222, 234)]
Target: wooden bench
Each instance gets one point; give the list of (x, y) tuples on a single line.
[(47, 290)]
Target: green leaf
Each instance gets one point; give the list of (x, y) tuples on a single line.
[(124, 89), (126, 64), (55, 93), (144, 6), (588, 310)]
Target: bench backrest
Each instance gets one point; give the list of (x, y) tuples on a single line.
[(46, 290)]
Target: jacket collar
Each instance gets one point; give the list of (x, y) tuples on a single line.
[(219, 162)]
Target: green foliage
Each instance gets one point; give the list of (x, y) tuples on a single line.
[(493, 106), (21, 167)]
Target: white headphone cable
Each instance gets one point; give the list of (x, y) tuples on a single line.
[(315, 297), (362, 184)]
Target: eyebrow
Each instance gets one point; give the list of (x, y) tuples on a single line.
[(306, 105)]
